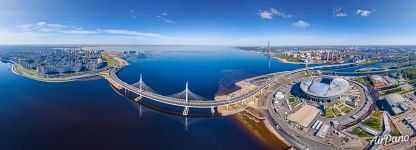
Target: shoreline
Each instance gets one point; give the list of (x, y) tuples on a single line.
[(56, 80), (272, 130), (286, 61), (289, 62), (82, 77), (261, 126), (259, 129)]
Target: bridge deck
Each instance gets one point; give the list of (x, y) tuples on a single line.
[(209, 103)]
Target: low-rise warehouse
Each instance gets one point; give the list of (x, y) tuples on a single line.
[(305, 115), (396, 103)]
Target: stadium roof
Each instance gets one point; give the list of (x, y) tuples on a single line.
[(326, 86)]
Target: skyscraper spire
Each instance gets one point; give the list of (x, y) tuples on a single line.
[(268, 47)]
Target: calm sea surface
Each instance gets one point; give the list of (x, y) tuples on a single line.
[(91, 115)]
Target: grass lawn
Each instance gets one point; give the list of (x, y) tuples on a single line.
[(374, 123), (293, 101), (345, 109), (360, 133), (339, 104), (17, 70), (288, 58), (111, 61), (394, 130), (337, 111), (378, 114), (363, 80), (29, 72), (328, 112)]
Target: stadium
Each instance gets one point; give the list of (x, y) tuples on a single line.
[(324, 89)]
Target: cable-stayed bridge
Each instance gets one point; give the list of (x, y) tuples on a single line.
[(188, 99)]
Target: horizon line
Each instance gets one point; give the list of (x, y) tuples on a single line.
[(271, 45)]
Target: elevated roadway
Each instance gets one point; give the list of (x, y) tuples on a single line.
[(187, 103)]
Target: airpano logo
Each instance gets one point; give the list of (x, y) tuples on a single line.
[(388, 138)]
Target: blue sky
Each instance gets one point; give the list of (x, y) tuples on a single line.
[(208, 22)]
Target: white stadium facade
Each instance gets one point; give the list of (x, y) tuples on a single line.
[(324, 89)]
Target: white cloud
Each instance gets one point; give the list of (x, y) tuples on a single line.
[(133, 15), (68, 34), (46, 28), (132, 33), (301, 24), (164, 18), (7, 36), (339, 13), (269, 14), (363, 12), (43, 27), (79, 32), (265, 14)]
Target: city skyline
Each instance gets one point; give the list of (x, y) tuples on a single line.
[(185, 22)]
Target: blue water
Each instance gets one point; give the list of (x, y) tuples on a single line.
[(91, 115)]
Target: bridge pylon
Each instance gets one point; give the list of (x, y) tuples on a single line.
[(141, 83), (186, 92), (138, 98)]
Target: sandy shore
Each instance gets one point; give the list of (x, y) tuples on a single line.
[(258, 128), (289, 62), (261, 131), (244, 86)]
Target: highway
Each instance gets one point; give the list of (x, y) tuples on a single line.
[(209, 103)]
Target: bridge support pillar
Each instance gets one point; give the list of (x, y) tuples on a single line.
[(212, 110), (185, 111), (138, 98)]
